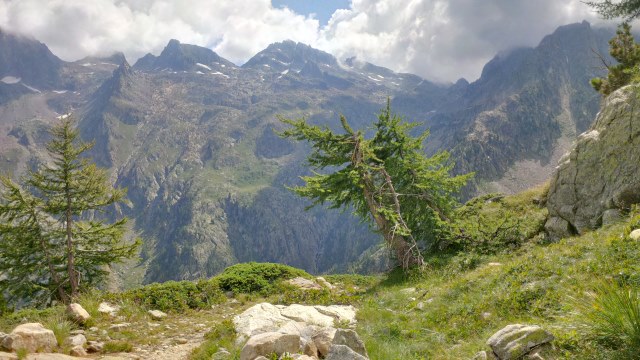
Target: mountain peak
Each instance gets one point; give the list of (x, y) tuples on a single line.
[(289, 54), (181, 57)]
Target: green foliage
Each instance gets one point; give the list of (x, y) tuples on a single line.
[(222, 334), (255, 277), (626, 9), (614, 316), (53, 242), (387, 180), (60, 326), (626, 51), (177, 296), (492, 223)]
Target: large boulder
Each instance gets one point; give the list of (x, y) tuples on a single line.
[(516, 340), (268, 343), (31, 337), (601, 172)]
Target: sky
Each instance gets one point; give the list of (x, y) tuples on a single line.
[(440, 40)]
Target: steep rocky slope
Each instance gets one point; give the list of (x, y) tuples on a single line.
[(191, 137), (598, 179)]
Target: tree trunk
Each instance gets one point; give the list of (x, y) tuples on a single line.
[(73, 280)]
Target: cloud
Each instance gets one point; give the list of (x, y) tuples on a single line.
[(237, 29), (444, 39), (438, 39)]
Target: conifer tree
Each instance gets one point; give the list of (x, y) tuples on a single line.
[(626, 52), (50, 236), (387, 180), (626, 9)]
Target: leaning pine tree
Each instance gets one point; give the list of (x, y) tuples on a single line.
[(52, 243), (386, 179)]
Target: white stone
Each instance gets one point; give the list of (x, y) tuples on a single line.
[(342, 313), (258, 319), (304, 284), (635, 235), (77, 313), (514, 341), (307, 314), (75, 340), (106, 308), (157, 314)]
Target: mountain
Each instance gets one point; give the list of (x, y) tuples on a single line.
[(191, 136)]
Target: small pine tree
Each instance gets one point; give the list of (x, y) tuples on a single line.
[(49, 241), (626, 52), (387, 180)]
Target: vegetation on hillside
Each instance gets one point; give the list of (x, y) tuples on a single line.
[(54, 242), (626, 52), (387, 180)]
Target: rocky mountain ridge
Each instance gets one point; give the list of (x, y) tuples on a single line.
[(191, 137)]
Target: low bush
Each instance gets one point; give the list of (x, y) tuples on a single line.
[(178, 296), (255, 277)]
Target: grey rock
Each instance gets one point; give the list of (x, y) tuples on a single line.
[(77, 313), (323, 340), (611, 216), (514, 341), (343, 352), (108, 309), (351, 339), (157, 314), (635, 235), (75, 340), (601, 171), (268, 343), (95, 346), (119, 327), (78, 351), (31, 337)]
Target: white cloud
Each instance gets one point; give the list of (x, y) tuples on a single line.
[(437, 39)]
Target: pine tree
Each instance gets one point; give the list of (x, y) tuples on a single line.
[(51, 236), (626, 52), (387, 180), (626, 9)]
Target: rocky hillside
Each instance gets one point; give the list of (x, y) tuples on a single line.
[(191, 136)]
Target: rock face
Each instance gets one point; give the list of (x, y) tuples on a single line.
[(31, 337), (514, 341), (601, 171)]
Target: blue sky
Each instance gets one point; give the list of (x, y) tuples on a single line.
[(322, 8)]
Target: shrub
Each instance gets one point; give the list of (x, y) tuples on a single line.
[(256, 277), (614, 316), (178, 296)]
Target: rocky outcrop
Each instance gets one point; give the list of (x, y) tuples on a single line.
[(600, 173), (306, 331), (516, 340)]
